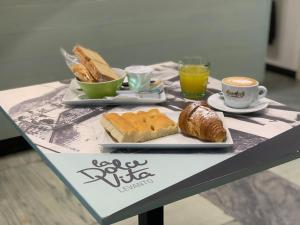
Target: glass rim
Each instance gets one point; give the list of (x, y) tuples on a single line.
[(201, 58), (194, 60)]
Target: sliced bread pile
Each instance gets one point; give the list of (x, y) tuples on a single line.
[(92, 67)]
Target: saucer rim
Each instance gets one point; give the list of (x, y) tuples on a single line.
[(235, 110)]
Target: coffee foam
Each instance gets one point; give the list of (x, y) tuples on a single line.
[(240, 81)]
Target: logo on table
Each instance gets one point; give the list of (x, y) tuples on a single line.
[(123, 176)]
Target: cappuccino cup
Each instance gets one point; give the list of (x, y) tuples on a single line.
[(241, 92)]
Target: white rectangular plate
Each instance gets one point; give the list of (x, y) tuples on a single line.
[(75, 96), (172, 141)]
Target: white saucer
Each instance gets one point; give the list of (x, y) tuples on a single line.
[(216, 101)]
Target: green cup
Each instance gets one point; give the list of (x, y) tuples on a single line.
[(103, 89)]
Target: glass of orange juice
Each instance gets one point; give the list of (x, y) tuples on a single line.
[(193, 74)]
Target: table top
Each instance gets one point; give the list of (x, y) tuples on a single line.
[(114, 185)]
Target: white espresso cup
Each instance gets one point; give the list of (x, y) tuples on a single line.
[(241, 92), (139, 77)]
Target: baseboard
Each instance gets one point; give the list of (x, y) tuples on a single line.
[(281, 70), (13, 145)]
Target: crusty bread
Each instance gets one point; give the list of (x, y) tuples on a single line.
[(81, 73), (96, 65), (88, 54), (201, 122), (138, 127)]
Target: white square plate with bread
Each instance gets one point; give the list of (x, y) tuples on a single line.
[(177, 140)]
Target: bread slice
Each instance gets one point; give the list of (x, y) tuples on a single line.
[(118, 127), (96, 65), (138, 127), (82, 73), (143, 131)]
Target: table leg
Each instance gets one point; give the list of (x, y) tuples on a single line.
[(152, 217)]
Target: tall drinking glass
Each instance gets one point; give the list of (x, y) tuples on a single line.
[(193, 74)]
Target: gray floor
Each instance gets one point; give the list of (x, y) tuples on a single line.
[(283, 89), (31, 194)]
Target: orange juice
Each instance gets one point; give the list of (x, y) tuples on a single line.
[(193, 80)]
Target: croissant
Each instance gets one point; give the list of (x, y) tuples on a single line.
[(201, 122)]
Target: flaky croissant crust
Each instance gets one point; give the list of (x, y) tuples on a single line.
[(201, 122)]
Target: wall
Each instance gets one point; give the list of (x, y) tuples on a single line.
[(231, 33), (286, 49)]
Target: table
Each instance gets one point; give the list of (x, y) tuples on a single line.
[(114, 185)]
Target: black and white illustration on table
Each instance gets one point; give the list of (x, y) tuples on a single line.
[(44, 117)]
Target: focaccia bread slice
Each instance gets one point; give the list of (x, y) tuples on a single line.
[(118, 127), (138, 127), (95, 64)]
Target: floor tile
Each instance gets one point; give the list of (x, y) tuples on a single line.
[(194, 210), (260, 199), (18, 159), (233, 223), (32, 194), (289, 171), (130, 221), (283, 88)]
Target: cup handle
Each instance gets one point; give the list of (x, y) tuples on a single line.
[(221, 94), (262, 92)]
